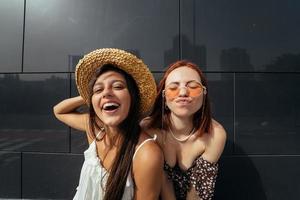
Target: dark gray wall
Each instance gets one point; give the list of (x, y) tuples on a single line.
[(249, 50)]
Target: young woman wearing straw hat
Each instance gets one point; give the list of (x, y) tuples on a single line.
[(122, 162), (191, 140)]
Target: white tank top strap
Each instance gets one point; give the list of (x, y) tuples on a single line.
[(145, 141), (99, 132)]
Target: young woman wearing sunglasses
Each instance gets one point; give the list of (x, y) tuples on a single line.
[(191, 140)]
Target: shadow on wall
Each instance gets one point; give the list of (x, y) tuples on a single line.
[(238, 179)]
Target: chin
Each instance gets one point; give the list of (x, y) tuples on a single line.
[(112, 120), (112, 123), (184, 114)]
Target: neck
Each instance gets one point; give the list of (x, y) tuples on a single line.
[(113, 131), (113, 135), (181, 125)]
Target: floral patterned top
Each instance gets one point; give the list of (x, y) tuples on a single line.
[(201, 175)]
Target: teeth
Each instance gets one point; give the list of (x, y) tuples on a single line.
[(106, 105)]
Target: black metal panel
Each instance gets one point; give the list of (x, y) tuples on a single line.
[(267, 113), (50, 176), (241, 35), (258, 177), (59, 32), (10, 173), (11, 35), (27, 119)]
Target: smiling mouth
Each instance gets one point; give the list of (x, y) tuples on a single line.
[(110, 107)]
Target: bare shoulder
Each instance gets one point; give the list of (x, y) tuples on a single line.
[(216, 142), (152, 132), (218, 131), (148, 168), (157, 133), (148, 153)]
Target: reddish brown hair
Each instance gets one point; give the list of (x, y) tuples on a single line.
[(201, 123)]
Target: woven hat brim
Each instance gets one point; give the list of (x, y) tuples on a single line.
[(128, 62)]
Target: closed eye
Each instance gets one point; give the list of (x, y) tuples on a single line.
[(193, 85), (97, 90), (172, 86), (119, 87)]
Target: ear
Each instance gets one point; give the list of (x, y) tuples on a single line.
[(205, 92), (163, 93)]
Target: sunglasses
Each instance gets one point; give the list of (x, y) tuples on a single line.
[(193, 89)]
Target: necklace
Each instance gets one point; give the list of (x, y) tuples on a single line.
[(183, 139)]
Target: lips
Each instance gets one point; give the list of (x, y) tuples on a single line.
[(183, 101)]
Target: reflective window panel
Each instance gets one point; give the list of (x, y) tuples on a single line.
[(26, 112), (50, 176), (268, 113), (241, 35), (11, 35), (10, 173), (59, 32), (258, 177)]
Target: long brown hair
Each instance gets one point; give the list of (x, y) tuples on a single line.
[(129, 135), (160, 117)]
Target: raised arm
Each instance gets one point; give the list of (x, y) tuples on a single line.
[(65, 111)]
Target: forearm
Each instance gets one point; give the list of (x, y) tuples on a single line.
[(65, 111), (68, 105)]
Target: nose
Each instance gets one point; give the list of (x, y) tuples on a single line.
[(183, 91), (107, 92)]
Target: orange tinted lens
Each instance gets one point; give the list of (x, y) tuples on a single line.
[(172, 92), (195, 91), (192, 92)]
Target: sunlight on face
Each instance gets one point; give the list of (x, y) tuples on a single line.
[(111, 99), (184, 91)]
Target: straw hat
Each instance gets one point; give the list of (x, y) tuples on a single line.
[(128, 62)]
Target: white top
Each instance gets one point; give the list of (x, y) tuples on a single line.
[(93, 176)]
